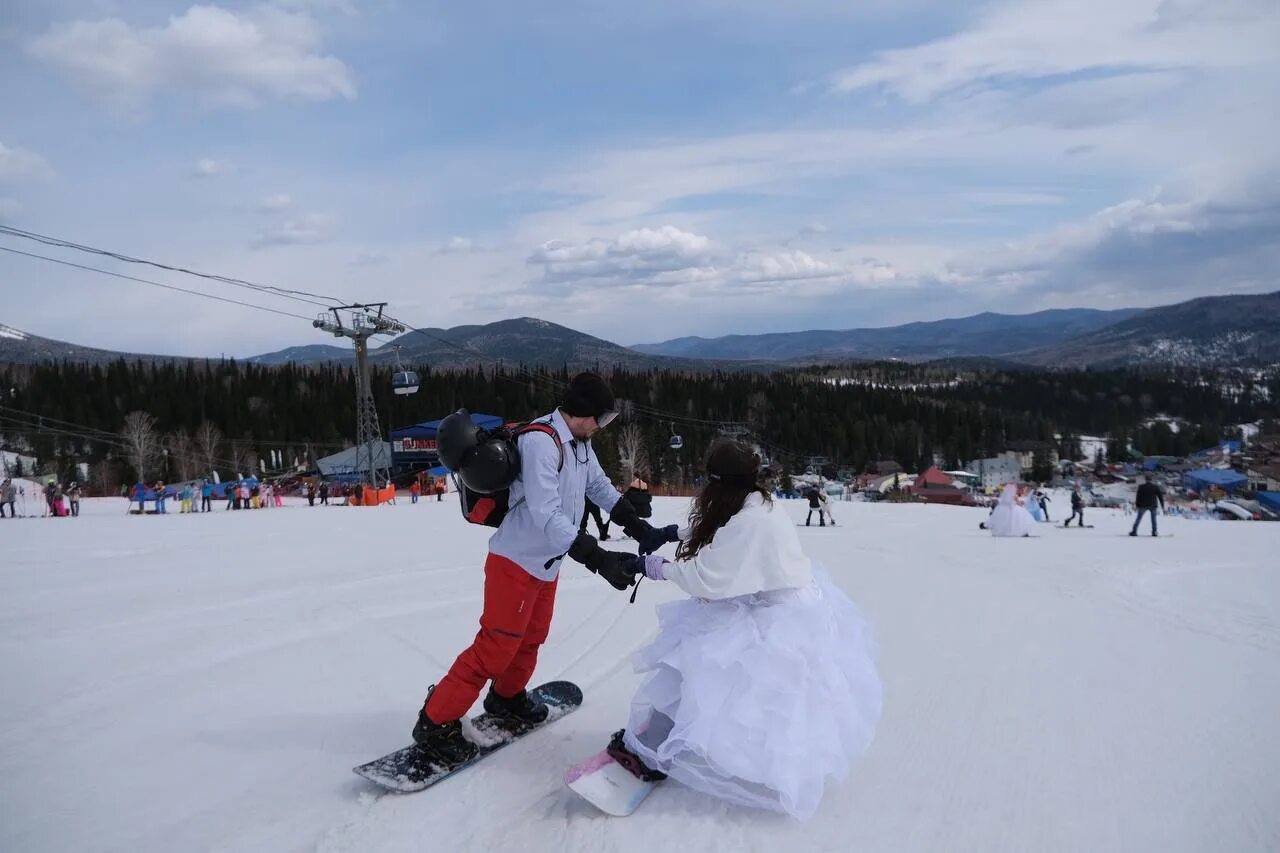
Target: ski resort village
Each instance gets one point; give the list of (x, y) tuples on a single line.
[(622, 428)]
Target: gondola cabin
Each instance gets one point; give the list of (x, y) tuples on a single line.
[(404, 382)]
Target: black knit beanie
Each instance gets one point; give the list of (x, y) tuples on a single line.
[(588, 396)]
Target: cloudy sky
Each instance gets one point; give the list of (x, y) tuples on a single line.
[(638, 171)]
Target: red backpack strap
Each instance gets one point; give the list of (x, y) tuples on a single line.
[(548, 429)]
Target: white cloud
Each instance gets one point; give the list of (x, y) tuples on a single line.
[(273, 203), (669, 258), (207, 167), (456, 245), (217, 54), (305, 229), (345, 6), (640, 255), (17, 164), (1031, 39)]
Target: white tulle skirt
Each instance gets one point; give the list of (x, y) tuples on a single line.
[(1011, 520), (758, 699)]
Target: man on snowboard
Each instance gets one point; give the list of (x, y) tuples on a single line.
[(1149, 497), (520, 573)]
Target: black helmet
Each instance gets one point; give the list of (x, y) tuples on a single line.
[(491, 467), (456, 437)]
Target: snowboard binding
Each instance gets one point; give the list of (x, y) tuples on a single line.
[(618, 752)]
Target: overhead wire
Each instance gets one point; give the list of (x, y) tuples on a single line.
[(546, 381), (287, 293), (153, 283)]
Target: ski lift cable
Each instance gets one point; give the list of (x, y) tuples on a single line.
[(297, 295), (106, 435), (549, 382), (118, 440), (153, 283)]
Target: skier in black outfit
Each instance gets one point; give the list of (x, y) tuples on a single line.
[(1077, 508), (815, 505), (594, 512), (1149, 496), (324, 493)]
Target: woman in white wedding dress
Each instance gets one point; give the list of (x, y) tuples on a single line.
[(762, 684), (1010, 518)]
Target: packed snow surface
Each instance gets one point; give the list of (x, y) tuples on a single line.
[(192, 683)]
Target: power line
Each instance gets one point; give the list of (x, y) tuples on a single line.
[(297, 295), (548, 382), (153, 283)]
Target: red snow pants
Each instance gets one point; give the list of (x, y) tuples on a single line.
[(513, 625)]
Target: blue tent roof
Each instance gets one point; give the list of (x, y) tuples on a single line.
[(427, 429), (1223, 478), (438, 471), (1270, 500)]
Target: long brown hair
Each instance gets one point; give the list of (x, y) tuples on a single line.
[(732, 469)]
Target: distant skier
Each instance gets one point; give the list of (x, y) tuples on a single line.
[(815, 505), (73, 498), (557, 473), (762, 683), (8, 494), (593, 511), (824, 504), (1043, 500), (1149, 497), (1077, 508), (415, 490), (206, 496), (324, 492)]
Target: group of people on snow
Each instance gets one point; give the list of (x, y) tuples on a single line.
[(1016, 511)]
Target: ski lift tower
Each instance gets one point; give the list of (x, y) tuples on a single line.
[(362, 323)]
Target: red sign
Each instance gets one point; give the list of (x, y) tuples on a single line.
[(414, 445)]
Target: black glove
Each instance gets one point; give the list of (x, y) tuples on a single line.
[(650, 538), (618, 569), (657, 538)]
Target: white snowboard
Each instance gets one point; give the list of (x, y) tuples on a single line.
[(608, 785)]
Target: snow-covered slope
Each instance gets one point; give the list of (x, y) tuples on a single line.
[(206, 683)]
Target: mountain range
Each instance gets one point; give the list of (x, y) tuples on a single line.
[(980, 335), (1211, 331)]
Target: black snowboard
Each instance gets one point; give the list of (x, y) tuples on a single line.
[(407, 770)]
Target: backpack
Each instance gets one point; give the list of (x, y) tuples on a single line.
[(490, 509)]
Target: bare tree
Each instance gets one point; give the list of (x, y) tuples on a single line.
[(632, 452), (244, 457), (182, 451), (209, 442), (142, 443)]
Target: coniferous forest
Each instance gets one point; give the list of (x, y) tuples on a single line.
[(70, 413)]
